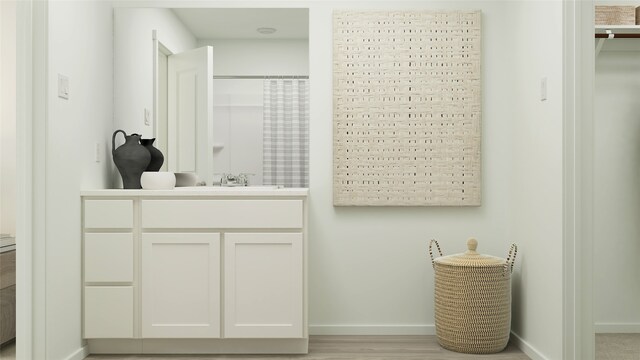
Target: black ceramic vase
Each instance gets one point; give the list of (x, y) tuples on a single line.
[(131, 159), (157, 159)]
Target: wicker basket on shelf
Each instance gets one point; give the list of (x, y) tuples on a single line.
[(473, 300), (616, 15)]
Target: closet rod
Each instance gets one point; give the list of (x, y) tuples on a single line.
[(263, 77), (618, 36)]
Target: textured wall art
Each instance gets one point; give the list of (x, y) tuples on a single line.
[(407, 108)]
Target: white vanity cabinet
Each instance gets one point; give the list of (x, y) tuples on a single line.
[(108, 274), (195, 271)]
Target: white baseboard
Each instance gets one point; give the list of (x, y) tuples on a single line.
[(79, 354), (199, 346), (613, 328), (526, 348), (372, 330)]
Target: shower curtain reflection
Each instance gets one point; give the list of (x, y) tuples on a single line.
[(261, 128), (286, 132)]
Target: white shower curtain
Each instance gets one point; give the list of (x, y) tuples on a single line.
[(286, 132)]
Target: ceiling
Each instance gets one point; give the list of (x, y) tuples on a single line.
[(242, 23)]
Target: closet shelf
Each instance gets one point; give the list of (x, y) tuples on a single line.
[(604, 32)]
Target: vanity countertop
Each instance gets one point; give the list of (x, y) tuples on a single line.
[(202, 191)]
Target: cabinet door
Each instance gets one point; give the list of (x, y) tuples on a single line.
[(263, 285), (180, 285)]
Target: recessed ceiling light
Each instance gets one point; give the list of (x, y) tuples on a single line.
[(266, 30)]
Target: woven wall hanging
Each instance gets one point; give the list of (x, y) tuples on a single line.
[(406, 108)]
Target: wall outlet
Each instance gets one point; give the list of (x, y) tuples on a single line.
[(147, 117), (543, 89), (63, 86)]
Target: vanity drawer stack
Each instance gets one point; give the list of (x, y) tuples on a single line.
[(108, 274), (165, 271)]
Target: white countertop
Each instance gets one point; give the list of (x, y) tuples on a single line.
[(189, 191)]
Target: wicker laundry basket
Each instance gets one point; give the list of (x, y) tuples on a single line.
[(473, 300)]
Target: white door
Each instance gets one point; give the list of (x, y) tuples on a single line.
[(190, 112), (263, 285), (180, 285)]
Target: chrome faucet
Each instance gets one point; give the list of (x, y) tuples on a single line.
[(241, 179)]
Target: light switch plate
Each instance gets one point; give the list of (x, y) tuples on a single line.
[(63, 86), (147, 117)]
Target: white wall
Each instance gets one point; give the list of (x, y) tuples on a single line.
[(617, 191), (8, 117), (535, 220), (133, 61), (259, 56), (238, 127), (80, 47), (368, 267)]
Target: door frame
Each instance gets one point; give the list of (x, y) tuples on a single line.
[(158, 46), (578, 89), (31, 135), (579, 76)]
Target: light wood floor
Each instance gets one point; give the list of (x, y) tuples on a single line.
[(608, 347), (353, 348), (618, 347)]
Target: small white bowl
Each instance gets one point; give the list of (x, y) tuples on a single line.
[(158, 180), (186, 179)]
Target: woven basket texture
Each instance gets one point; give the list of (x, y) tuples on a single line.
[(473, 300), (616, 15), (473, 308)]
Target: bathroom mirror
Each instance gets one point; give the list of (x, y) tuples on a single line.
[(223, 90)]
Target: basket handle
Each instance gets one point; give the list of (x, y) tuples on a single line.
[(431, 250), (511, 259)]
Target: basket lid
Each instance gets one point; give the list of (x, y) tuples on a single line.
[(471, 258)]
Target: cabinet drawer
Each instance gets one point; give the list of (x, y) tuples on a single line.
[(108, 312), (108, 257), (108, 214), (245, 214)]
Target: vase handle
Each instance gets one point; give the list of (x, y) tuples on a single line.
[(113, 139)]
